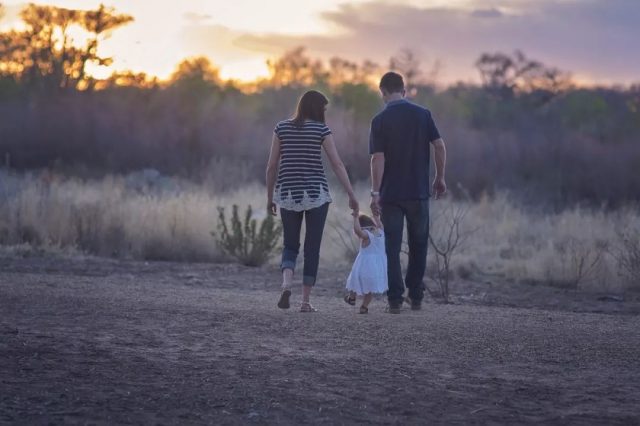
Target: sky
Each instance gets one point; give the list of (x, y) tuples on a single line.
[(595, 40)]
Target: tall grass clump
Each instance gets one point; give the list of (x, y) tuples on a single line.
[(243, 240)]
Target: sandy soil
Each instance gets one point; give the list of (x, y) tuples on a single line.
[(96, 341)]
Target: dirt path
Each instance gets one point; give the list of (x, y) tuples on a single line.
[(128, 343)]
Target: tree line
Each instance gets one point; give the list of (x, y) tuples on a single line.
[(526, 128)]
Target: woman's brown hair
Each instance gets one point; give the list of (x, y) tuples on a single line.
[(310, 107)]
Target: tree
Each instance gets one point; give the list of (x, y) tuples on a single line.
[(295, 69), (138, 80), (198, 69), (45, 55), (368, 71), (343, 71), (506, 75), (194, 80), (99, 24), (450, 239), (407, 64)]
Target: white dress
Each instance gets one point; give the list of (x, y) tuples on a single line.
[(369, 271)]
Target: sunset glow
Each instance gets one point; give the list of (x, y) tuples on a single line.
[(240, 36)]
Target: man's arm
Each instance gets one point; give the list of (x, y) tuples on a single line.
[(377, 147), (377, 171), (440, 158)]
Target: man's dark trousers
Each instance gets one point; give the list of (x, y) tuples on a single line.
[(393, 215)]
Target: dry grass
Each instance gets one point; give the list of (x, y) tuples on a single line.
[(568, 249), (148, 217)]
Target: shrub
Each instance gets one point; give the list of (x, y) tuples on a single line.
[(627, 256), (243, 241), (579, 260), (450, 239)]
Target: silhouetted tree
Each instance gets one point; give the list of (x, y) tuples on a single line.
[(195, 79), (406, 63), (368, 71), (296, 69), (99, 24), (343, 71), (45, 56), (505, 75), (138, 80)]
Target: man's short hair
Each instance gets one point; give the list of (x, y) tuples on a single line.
[(392, 82)]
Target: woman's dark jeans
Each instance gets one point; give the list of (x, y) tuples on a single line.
[(393, 216), (314, 220)]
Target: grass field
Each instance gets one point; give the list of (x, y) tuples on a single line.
[(149, 217)]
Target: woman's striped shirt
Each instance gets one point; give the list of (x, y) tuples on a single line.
[(302, 184)]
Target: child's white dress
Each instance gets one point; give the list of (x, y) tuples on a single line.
[(369, 271)]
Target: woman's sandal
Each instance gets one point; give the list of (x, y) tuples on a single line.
[(364, 310), (306, 307), (283, 303), (350, 300)]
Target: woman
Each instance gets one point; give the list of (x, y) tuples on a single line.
[(301, 189)]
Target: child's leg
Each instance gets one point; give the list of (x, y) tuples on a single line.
[(350, 298), (367, 299)]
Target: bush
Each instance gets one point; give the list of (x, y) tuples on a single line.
[(579, 260), (627, 256), (450, 239), (242, 242)]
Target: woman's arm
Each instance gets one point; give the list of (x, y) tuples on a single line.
[(338, 168), (272, 169)]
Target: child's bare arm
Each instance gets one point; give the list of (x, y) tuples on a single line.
[(357, 229)]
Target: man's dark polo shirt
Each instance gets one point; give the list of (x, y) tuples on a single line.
[(403, 131)]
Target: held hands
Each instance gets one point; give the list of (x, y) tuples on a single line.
[(439, 187), (375, 205), (353, 204)]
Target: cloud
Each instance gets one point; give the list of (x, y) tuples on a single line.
[(196, 18), (487, 13), (595, 39), (10, 14), (220, 43)]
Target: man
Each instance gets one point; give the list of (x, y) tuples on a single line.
[(399, 148)]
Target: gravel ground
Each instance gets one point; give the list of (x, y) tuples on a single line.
[(94, 341)]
